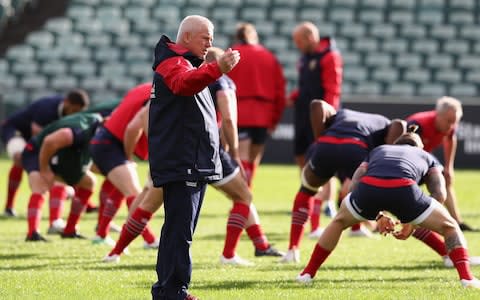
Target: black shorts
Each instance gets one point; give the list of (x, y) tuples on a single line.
[(258, 135), (408, 203), (107, 151), (328, 160)]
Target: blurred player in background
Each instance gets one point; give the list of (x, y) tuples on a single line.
[(437, 128), (320, 71), (60, 152), (389, 179), (260, 96), (18, 128), (112, 149)]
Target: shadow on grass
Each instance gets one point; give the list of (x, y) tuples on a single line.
[(289, 284), (419, 267), (16, 256)]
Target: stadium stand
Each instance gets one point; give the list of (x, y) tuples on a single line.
[(390, 47)]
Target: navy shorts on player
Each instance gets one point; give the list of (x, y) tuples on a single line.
[(342, 159), (408, 203), (107, 151), (66, 165), (30, 159), (258, 135), (229, 167)]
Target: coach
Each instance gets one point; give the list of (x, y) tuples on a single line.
[(183, 144)]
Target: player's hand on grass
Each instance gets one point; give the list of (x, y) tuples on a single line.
[(405, 232), (385, 224)]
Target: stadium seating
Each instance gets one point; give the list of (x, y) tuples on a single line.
[(390, 47)]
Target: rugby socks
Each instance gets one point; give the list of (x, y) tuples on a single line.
[(58, 195), (14, 180), (235, 224), (79, 204), (356, 227), (319, 255), (315, 217), (255, 233), (147, 233), (111, 206), (300, 213), (134, 226), (105, 190), (431, 239), (459, 257), (34, 213)]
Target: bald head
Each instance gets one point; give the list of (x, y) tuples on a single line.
[(306, 37), (196, 34)]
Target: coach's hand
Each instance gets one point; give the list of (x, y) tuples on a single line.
[(228, 60)]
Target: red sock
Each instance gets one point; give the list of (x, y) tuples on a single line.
[(319, 255), (147, 233), (300, 212), (58, 195), (356, 227), (135, 224), (103, 194), (34, 212), (248, 167), (79, 204), (431, 239), (459, 257), (235, 224), (259, 239), (111, 206), (315, 217), (14, 180)]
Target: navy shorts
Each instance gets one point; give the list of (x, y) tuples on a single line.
[(342, 160), (30, 159), (408, 203), (66, 165), (107, 151), (229, 167), (258, 135)]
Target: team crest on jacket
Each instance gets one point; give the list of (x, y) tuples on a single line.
[(312, 64)]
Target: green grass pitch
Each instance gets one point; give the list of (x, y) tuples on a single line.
[(381, 268)]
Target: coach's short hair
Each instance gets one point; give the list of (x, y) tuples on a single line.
[(78, 97), (446, 103)]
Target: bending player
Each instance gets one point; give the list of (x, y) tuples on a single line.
[(112, 149), (17, 129), (60, 152), (344, 138), (389, 179)]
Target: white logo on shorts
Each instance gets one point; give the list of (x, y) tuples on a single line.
[(191, 183)]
